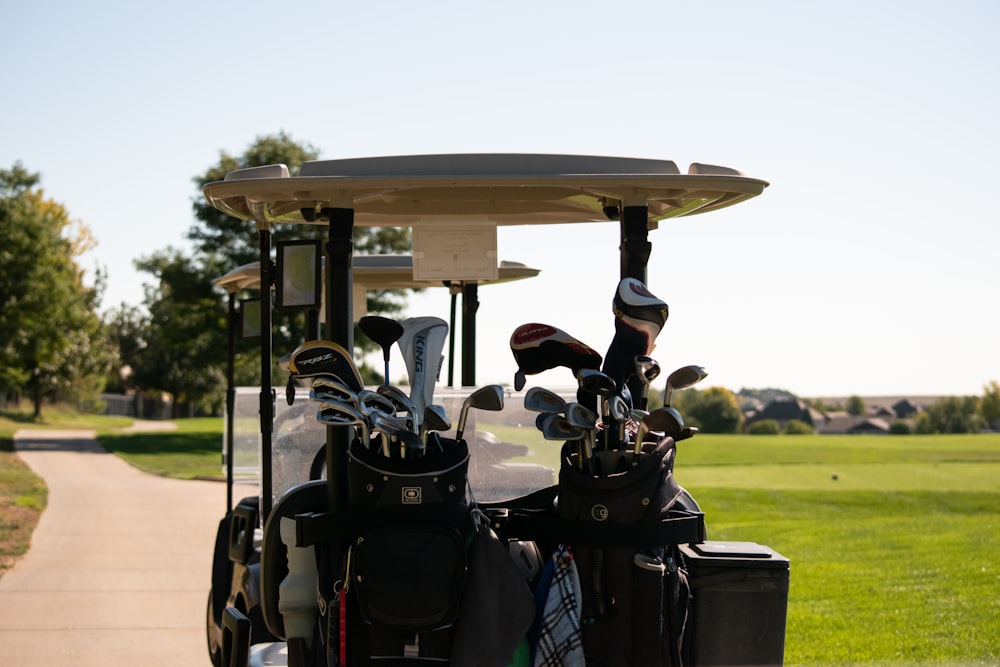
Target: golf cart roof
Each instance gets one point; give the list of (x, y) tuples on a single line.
[(503, 189), (375, 272)]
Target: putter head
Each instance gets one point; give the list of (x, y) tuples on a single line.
[(540, 347)]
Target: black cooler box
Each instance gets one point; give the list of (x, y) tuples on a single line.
[(739, 605)]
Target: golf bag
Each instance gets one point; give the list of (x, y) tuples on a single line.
[(617, 545), (393, 567)]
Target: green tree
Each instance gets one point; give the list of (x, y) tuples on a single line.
[(53, 344), (955, 414), (989, 404), (180, 347), (231, 242), (856, 406), (714, 410)]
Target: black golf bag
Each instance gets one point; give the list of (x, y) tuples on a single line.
[(618, 534), (392, 569)]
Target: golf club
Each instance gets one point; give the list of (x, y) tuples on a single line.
[(336, 413), (383, 332), (370, 402), (647, 369), (421, 344), (601, 387), (324, 357), (399, 399), (332, 387), (539, 399), (665, 420), (579, 415), (682, 378), (540, 347), (489, 397)]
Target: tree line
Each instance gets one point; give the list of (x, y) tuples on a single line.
[(57, 346)]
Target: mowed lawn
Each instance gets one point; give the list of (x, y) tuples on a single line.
[(894, 541)]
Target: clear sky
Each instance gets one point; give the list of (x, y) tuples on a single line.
[(868, 266)]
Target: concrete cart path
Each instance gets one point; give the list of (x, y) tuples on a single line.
[(119, 566)]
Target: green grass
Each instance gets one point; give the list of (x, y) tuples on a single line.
[(192, 451)]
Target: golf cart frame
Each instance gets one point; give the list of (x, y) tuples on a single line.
[(482, 190)]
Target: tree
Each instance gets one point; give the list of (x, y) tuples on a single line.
[(989, 404), (52, 342), (231, 242), (856, 406), (954, 414), (714, 410), (181, 347)]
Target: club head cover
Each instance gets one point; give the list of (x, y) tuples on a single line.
[(635, 306), (540, 347), (421, 345), (324, 357)]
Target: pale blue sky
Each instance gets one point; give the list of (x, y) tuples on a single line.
[(867, 267)]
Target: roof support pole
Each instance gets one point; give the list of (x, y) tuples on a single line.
[(635, 246), (266, 405), (339, 329), (470, 304), (230, 397)]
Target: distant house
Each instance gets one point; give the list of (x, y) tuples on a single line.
[(838, 422), (873, 425), (784, 410), (904, 408), (882, 412)]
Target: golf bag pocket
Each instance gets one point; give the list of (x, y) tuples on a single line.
[(409, 578), (378, 481)]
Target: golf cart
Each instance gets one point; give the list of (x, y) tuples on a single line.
[(393, 556), (299, 436)]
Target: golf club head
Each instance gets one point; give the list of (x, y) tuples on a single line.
[(580, 415), (398, 398), (557, 427), (540, 347), (324, 357), (619, 409), (596, 382), (539, 399), (370, 402), (332, 387), (435, 419), (342, 414), (682, 378), (383, 332), (647, 368), (421, 345), (489, 398)]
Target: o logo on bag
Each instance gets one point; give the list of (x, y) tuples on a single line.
[(412, 495), (599, 512)]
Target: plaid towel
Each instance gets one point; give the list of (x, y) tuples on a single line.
[(560, 643)]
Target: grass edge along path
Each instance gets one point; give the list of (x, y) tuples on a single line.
[(23, 496)]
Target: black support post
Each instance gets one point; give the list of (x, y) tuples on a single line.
[(339, 329), (266, 391), (470, 304), (230, 398), (635, 246)]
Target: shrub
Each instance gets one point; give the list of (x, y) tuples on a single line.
[(764, 427), (798, 427), (899, 427)]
